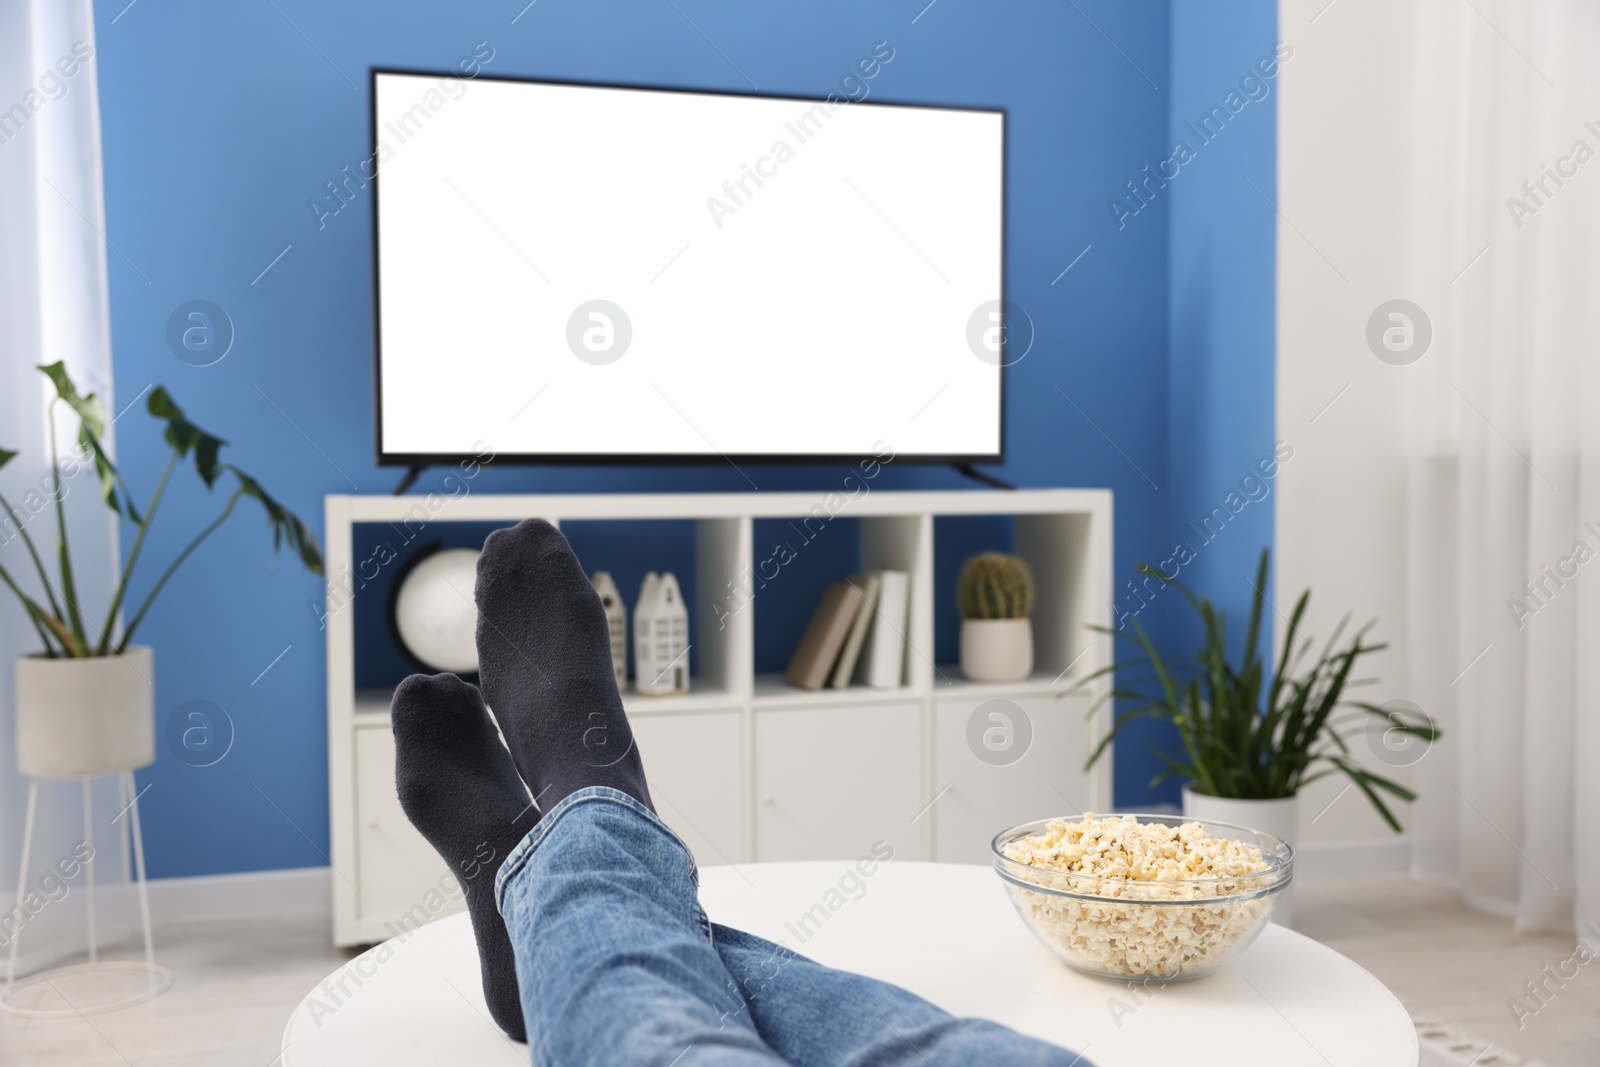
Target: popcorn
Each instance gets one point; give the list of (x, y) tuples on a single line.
[(1154, 867)]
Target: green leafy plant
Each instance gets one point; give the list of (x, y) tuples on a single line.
[(994, 585), (59, 620), (1250, 731)]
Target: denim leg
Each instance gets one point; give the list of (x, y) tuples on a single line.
[(814, 1016), (614, 956)]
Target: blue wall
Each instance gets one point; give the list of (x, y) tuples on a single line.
[(221, 122), (1220, 323)]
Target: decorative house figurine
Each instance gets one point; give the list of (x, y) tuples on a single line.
[(660, 637), (617, 622), (642, 645)]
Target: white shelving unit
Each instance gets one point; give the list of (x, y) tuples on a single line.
[(745, 767)]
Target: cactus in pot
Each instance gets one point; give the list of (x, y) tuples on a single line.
[(996, 586), (996, 596)]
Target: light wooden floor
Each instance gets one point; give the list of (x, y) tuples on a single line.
[(237, 981), (1449, 963)]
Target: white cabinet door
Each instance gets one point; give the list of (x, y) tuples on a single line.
[(400, 880), (831, 781), (694, 764), (1001, 761)]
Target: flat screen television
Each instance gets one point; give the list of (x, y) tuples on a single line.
[(592, 273)]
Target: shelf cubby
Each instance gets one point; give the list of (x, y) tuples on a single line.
[(746, 767)]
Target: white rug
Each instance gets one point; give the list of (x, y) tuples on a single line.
[(1444, 1045)]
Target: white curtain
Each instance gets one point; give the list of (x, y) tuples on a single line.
[(1509, 464), (1448, 154), (53, 305)]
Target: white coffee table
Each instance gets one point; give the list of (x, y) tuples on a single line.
[(943, 931)]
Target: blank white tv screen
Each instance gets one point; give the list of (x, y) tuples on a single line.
[(571, 272)]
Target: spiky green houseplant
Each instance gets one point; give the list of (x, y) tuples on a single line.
[(1250, 731), (59, 618), (994, 585)]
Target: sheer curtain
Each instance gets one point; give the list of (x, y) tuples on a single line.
[(1448, 154), (53, 305), (1505, 459)]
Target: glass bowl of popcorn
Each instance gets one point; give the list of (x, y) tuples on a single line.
[(1144, 898)]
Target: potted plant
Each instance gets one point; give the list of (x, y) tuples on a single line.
[(1253, 735), (85, 700), (996, 594)]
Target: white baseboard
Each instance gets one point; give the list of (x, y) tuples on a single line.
[(58, 934), (298, 889), (309, 889), (1353, 859)]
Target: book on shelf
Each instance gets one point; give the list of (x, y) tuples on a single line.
[(883, 652), (869, 585), (825, 635)]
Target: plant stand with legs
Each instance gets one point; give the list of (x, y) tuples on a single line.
[(158, 977)]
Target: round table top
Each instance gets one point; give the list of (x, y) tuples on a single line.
[(943, 931)]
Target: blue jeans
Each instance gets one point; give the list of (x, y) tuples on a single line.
[(618, 964)]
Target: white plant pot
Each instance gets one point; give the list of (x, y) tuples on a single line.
[(996, 650), (1280, 818), (1275, 817), (78, 718)]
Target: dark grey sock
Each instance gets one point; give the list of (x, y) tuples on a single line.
[(459, 788), (544, 658)]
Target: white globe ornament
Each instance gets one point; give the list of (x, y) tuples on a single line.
[(433, 614)]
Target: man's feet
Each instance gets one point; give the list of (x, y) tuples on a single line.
[(459, 788), (544, 657)]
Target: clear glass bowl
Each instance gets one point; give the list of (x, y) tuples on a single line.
[(1145, 931)]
